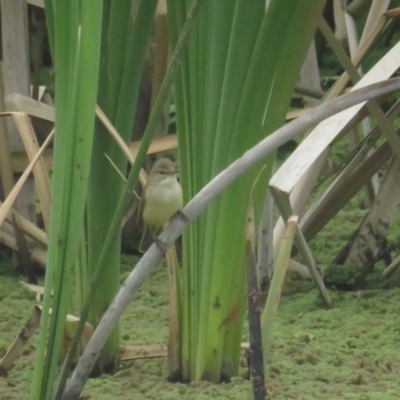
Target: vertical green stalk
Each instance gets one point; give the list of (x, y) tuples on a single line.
[(130, 183), (239, 44), (287, 30), (229, 98), (124, 45), (177, 11), (77, 29)]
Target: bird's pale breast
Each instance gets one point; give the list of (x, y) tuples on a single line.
[(162, 201)]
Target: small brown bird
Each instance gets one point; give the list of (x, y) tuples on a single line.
[(161, 199)]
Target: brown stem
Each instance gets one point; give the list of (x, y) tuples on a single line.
[(255, 351)]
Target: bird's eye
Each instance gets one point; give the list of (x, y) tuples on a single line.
[(162, 172)]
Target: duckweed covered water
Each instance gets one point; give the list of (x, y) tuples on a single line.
[(348, 352)]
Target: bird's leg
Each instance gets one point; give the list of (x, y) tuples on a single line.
[(160, 244), (182, 216)]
